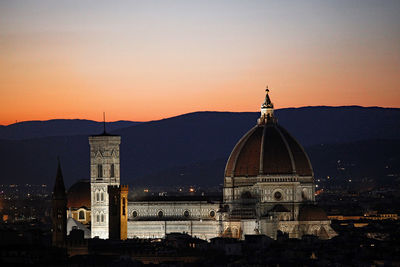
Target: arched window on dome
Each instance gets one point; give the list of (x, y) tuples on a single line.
[(81, 215), (112, 171)]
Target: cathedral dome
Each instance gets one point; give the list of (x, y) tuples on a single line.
[(268, 149), (79, 195)]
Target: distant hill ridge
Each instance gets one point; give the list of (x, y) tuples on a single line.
[(58, 127), (67, 127), (150, 148), (366, 163)]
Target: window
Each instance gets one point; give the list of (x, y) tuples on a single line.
[(102, 217), (97, 218), (278, 195), (102, 196), (112, 171), (123, 206), (134, 214), (212, 214), (160, 214), (99, 171), (97, 196), (186, 213), (81, 215), (235, 233)]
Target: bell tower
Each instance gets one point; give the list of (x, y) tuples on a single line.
[(104, 172)]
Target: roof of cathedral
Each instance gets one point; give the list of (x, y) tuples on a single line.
[(279, 208), (312, 213), (268, 149), (74, 224), (79, 195), (185, 198)]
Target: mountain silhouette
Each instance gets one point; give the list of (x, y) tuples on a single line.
[(205, 139), (39, 129)]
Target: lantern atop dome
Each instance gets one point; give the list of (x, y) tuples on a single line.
[(267, 110)]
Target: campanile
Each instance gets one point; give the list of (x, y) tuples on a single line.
[(104, 172)]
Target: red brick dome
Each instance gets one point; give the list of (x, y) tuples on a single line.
[(79, 195), (268, 149)]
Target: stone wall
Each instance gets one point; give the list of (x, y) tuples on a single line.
[(204, 229), (184, 210)]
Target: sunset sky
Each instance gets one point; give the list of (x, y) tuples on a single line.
[(147, 60)]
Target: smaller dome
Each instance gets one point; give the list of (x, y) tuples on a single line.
[(79, 195), (312, 213)]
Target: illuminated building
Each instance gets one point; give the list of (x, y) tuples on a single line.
[(268, 187)]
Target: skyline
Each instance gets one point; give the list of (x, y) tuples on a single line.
[(148, 60)]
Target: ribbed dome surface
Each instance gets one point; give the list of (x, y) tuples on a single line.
[(79, 195), (268, 149)]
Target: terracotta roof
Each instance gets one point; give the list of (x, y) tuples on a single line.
[(268, 149), (79, 195), (303, 166), (312, 213), (276, 154), (248, 160), (279, 208)]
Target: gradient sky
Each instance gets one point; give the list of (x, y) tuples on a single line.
[(146, 60)]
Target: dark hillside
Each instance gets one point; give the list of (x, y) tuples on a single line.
[(200, 138)]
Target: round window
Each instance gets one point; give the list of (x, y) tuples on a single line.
[(186, 213), (212, 214), (134, 214), (278, 195), (160, 214)]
